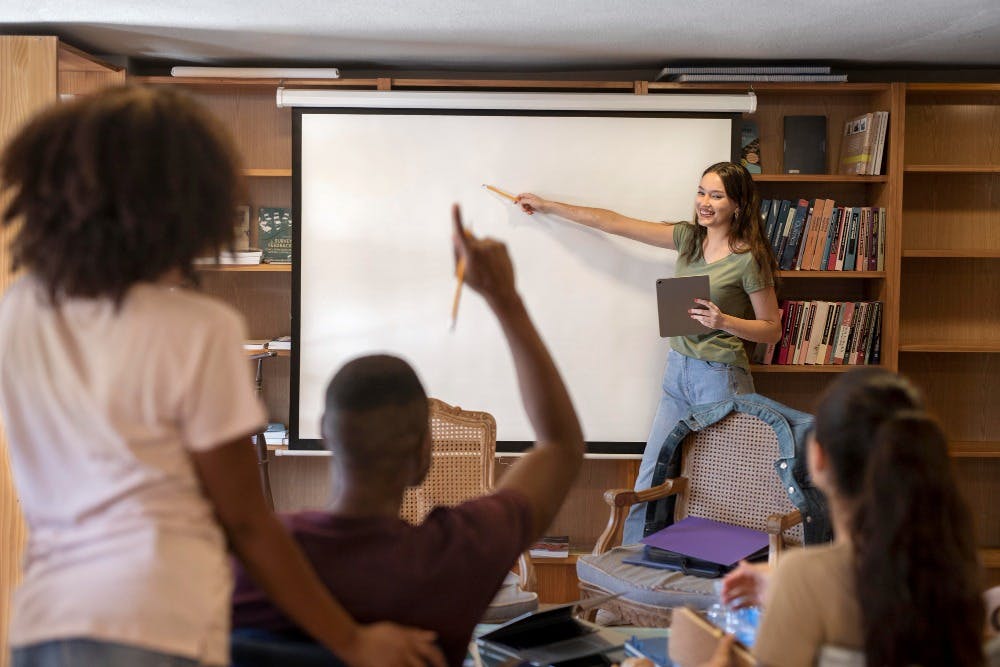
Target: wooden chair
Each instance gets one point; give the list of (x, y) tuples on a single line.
[(727, 474), (463, 449)]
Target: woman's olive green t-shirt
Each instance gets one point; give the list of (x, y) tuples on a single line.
[(733, 278)]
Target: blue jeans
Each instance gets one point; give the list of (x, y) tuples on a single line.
[(686, 382), (88, 652)]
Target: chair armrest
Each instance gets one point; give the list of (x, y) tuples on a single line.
[(621, 500), (777, 524), (526, 573)]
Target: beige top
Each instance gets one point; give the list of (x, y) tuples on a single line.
[(811, 604), (101, 408)]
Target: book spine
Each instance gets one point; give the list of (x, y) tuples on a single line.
[(881, 240), (802, 340), (831, 237), (786, 332), (844, 333), (795, 235), (850, 256)]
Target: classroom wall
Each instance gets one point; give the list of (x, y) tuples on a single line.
[(27, 66)]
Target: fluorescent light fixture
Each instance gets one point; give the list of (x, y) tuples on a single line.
[(259, 72), (395, 99)]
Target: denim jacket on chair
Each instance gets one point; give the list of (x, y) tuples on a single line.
[(791, 427)]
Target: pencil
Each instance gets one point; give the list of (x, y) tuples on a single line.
[(500, 192), (460, 274)]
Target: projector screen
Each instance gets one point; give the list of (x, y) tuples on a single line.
[(373, 266)]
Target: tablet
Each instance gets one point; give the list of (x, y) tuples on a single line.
[(674, 297)]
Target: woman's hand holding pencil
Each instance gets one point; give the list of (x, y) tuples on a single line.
[(482, 264)]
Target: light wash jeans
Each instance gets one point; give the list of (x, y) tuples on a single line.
[(90, 652), (686, 382)]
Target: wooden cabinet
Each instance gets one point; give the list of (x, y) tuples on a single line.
[(950, 281)]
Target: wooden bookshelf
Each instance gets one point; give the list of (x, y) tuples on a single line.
[(268, 173), (950, 281), (830, 274), (817, 178), (246, 268), (800, 368)]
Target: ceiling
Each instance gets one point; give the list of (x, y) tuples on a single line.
[(522, 34)]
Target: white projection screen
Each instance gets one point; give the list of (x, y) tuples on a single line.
[(373, 267)]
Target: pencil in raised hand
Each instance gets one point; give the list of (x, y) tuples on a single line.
[(500, 192), (460, 233)]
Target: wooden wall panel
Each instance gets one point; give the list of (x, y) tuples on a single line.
[(958, 212), (963, 309), (953, 128), (961, 390), (27, 84)]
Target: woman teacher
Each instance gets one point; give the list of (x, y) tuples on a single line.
[(726, 243)]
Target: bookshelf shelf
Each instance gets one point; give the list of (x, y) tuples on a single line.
[(952, 169), (966, 449), (990, 557), (800, 368), (818, 178), (251, 268), (267, 173), (948, 253), (951, 347), (831, 274)]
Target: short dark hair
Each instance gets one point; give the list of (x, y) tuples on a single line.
[(118, 188), (376, 411)]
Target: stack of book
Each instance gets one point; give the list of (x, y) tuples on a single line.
[(275, 434), (280, 343), (761, 73), (863, 144), (251, 256), (818, 235), (826, 333), (550, 546)]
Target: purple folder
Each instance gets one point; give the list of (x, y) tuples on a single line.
[(708, 540)]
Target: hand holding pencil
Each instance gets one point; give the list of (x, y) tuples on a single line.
[(482, 264)]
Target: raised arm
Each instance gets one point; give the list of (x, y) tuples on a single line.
[(545, 474), (229, 477), (660, 234)]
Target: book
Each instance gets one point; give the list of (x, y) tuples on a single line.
[(255, 344), (241, 228), (882, 125), (251, 256), (791, 248), (750, 146), (274, 234), (550, 546), (856, 145), (708, 540), (280, 343), (804, 145)]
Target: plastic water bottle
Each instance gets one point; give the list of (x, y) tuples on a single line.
[(741, 623)]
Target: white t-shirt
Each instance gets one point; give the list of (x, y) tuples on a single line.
[(101, 407)]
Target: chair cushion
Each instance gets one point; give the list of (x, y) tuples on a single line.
[(510, 601), (646, 585)]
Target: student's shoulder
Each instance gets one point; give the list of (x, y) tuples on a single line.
[(808, 563)]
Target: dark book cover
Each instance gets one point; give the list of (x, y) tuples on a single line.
[(805, 145), (791, 248)]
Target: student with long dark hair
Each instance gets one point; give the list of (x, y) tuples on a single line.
[(128, 402), (726, 242), (900, 584)]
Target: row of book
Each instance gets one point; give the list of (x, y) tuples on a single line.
[(863, 144), (826, 333), (818, 235), (275, 434), (274, 234)]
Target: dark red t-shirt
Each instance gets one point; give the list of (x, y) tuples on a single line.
[(440, 575)]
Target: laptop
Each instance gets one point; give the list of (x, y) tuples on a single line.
[(674, 297), (552, 637)]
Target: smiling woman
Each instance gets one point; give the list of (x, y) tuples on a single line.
[(727, 244)]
